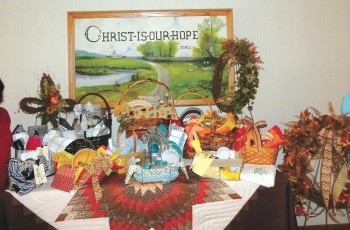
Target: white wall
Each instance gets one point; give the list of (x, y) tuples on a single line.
[(305, 46)]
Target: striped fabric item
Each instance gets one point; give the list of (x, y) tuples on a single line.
[(21, 177)]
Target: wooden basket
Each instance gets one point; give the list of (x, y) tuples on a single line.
[(144, 123), (212, 141), (93, 142)]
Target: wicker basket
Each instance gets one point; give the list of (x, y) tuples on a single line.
[(212, 141), (93, 142), (253, 152), (144, 123), (261, 156)]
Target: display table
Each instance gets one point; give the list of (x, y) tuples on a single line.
[(261, 208)]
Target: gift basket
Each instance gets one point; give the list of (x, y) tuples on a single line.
[(214, 131), (93, 141), (221, 164), (154, 173), (141, 114), (163, 157), (259, 147)]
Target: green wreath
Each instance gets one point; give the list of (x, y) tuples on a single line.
[(241, 56)]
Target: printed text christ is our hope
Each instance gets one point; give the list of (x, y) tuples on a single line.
[(95, 34)]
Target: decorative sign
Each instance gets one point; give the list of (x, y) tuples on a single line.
[(110, 50)]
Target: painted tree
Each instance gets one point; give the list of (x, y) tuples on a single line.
[(209, 41), (146, 49), (172, 47), (159, 48)]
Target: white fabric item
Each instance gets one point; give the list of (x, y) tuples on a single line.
[(217, 215), (48, 203), (59, 143), (259, 174)]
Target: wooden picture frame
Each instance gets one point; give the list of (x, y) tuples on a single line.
[(177, 47)]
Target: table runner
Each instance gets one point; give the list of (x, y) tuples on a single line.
[(149, 205)]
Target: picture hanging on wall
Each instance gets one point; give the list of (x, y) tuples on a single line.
[(111, 49)]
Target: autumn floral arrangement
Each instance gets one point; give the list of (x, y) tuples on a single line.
[(317, 161), (49, 103), (240, 56)]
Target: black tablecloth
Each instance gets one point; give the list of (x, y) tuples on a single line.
[(268, 208)]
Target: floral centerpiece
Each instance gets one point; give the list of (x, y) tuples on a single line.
[(241, 56), (49, 103), (317, 148)]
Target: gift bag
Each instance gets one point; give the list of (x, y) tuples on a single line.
[(64, 178)]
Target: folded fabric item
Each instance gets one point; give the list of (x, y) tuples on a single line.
[(259, 174), (59, 143)]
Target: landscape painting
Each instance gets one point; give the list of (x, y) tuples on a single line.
[(110, 50)]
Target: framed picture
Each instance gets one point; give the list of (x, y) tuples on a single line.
[(111, 49)]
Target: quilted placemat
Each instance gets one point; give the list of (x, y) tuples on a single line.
[(148, 205)]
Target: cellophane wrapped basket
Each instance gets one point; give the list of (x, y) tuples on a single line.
[(93, 142)]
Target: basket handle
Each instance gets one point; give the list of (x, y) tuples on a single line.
[(212, 127), (144, 81), (108, 108), (133, 134), (253, 128)]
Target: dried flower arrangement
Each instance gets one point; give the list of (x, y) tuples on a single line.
[(240, 55), (323, 140), (49, 103)]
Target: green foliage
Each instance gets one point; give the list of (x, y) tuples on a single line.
[(209, 42), (159, 48)]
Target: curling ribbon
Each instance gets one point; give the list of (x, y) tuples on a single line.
[(254, 128)]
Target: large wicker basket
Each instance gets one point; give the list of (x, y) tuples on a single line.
[(145, 122), (93, 142)]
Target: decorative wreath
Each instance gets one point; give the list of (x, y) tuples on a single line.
[(49, 103), (240, 55), (317, 161)]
